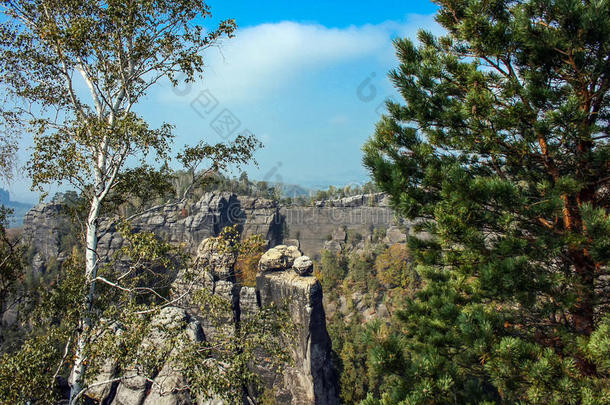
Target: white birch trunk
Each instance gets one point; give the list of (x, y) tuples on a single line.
[(101, 187), (105, 174), (78, 370)]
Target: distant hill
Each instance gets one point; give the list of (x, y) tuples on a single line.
[(293, 190), (19, 208)]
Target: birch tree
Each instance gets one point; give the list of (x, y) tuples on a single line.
[(78, 68)]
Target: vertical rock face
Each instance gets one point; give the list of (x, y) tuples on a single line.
[(311, 379), (333, 220), (327, 224), (45, 225), (186, 223), (44, 228), (261, 217)]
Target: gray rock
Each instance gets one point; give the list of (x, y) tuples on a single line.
[(185, 287), (303, 265), (102, 392), (131, 391), (395, 235), (361, 214), (278, 258), (44, 227), (311, 379), (167, 385), (339, 235), (166, 389), (211, 257), (247, 302), (187, 223), (362, 200)]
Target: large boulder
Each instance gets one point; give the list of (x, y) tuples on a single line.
[(303, 266), (281, 257), (214, 257)]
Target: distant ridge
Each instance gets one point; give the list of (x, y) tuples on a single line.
[(19, 208)]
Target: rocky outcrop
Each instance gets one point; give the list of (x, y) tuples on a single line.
[(166, 388), (312, 378), (309, 379), (280, 257), (303, 266), (284, 278), (215, 259), (188, 223), (261, 217), (45, 228), (336, 221)]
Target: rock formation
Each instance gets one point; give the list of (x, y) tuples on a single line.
[(312, 378), (307, 227), (44, 229), (303, 266), (332, 220), (309, 379), (284, 273), (280, 257), (284, 277), (165, 387)]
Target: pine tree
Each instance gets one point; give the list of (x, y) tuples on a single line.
[(501, 148)]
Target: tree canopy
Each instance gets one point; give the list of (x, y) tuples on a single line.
[(501, 147), (74, 71)]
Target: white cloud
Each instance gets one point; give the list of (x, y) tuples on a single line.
[(263, 58)]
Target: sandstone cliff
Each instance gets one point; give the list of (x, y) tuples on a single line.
[(331, 220), (309, 379), (312, 378), (311, 227), (283, 278)]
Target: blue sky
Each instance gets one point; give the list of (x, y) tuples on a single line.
[(330, 13), (307, 78)]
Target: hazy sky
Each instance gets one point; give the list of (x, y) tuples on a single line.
[(308, 78)]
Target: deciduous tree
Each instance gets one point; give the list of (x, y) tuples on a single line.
[(76, 70)]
